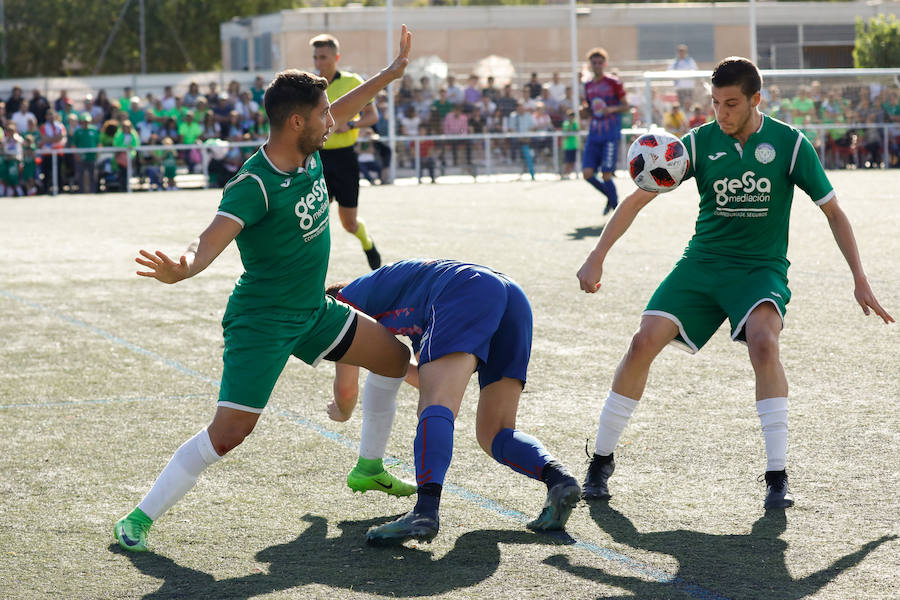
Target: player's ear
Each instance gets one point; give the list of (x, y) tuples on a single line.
[(754, 99), (296, 122)]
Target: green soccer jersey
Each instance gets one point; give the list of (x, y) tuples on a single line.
[(746, 193), (285, 241)]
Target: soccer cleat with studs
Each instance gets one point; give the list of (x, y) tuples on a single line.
[(131, 531), (373, 257), (411, 526), (595, 486), (561, 499), (778, 493), (381, 482)]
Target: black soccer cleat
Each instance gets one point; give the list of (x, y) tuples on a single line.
[(561, 499), (373, 257), (778, 493), (595, 482), (421, 527)]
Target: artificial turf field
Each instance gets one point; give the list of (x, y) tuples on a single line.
[(104, 374)]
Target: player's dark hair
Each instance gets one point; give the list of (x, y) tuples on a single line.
[(335, 288), (597, 52), (736, 70), (292, 91)]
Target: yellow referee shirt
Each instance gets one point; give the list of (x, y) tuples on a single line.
[(343, 82)]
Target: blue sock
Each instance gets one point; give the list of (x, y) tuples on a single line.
[(520, 452), (433, 446), (611, 193), (529, 159), (599, 185)]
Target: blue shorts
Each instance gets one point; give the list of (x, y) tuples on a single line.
[(600, 155), (486, 314)]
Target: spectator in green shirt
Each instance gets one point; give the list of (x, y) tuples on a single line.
[(442, 105), (258, 90), (86, 136), (189, 132), (569, 143), (803, 105)]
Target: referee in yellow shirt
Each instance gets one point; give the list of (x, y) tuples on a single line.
[(338, 155)]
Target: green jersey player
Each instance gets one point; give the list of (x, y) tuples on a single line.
[(276, 209), (746, 166)]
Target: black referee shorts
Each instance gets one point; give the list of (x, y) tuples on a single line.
[(341, 167)]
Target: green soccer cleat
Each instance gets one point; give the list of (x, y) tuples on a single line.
[(411, 526), (561, 499), (380, 482), (131, 531)]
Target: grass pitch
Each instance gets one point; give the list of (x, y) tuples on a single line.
[(105, 374)]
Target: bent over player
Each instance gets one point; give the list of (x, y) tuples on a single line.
[(461, 318), (746, 165), (276, 209)]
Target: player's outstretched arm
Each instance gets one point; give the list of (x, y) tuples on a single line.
[(199, 254), (590, 272), (346, 392), (843, 235), (347, 106)]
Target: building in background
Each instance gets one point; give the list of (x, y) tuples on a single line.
[(820, 34)]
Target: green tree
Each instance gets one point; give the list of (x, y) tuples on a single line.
[(877, 42), (46, 38)]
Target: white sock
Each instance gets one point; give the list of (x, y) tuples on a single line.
[(773, 416), (613, 419), (379, 404), (180, 475)]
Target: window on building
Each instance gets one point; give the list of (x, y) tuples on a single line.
[(262, 51), (240, 54)]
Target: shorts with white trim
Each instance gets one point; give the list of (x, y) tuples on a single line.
[(698, 295), (483, 313), (257, 347)]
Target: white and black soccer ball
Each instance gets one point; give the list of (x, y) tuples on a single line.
[(657, 162)]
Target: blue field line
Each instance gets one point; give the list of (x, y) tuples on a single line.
[(648, 571), (104, 401)]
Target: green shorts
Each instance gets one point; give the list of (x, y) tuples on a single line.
[(257, 347), (698, 295)]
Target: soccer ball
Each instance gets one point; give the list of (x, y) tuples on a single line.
[(657, 162)]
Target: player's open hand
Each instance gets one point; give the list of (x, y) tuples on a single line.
[(590, 273), (866, 298), (162, 267), (396, 68)]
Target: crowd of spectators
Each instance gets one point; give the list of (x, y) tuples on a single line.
[(857, 121), (34, 125)]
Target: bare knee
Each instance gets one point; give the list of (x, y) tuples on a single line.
[(644, 348), (228, 437), (400, 362), (346, 392), (485, 434), (763, 347), (348, 219)]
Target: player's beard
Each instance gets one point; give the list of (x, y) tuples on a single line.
[(308, 144), (740, 125)]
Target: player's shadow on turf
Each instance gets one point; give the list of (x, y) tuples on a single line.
[(345, 562), (736, 566), (583, 232)]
